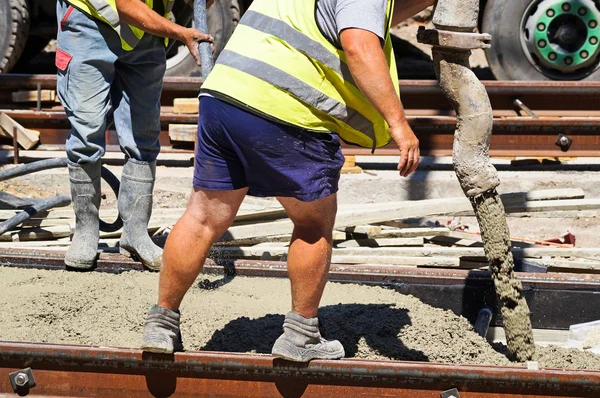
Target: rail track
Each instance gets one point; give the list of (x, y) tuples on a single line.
[(530, 117), (63, 370)]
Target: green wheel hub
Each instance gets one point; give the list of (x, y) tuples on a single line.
[(562, 36)]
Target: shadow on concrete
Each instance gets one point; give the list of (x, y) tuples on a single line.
[(376, 325)]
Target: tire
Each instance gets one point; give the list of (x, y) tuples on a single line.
[(507, 57), (223, 17), (14, 29)]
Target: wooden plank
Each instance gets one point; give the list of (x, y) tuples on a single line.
[(186, 105), (25, 137), (183, 132), (409, 232), (29, 234), (361, 230), (349, 161), (386, 242), (32, 96), (351, 170), (426, 251), (555, 194)]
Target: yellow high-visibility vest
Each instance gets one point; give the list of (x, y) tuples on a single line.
[(279, 65), (106, 11)]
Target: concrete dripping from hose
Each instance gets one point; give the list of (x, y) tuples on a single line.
[(478, 177), (496, 243)]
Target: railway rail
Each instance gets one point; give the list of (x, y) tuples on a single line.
[(77, 371), (66, 370), (531, 117)]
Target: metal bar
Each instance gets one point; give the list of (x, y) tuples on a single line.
[(15, 146), (84, 371)]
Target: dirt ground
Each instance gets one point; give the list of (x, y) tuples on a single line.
[(240, 314)]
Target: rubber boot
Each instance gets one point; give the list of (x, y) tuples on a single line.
[(135, 207), (85, 192), (301, 341), (161, 331)]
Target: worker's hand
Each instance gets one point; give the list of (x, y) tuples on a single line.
[(191, 37), (408, 143)]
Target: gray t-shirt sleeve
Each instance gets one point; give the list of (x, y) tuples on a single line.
[(362, 14), (333, 16)]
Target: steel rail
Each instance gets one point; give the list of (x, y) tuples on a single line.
[(512, 136), (416, 94), (78, 371)]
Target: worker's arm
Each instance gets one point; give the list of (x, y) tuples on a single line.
[(371, 73), (408, 8), (138, 14)]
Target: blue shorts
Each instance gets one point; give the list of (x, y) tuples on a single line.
[(238, 149)]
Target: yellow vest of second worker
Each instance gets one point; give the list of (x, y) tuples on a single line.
[(106, 11), (279, 64)]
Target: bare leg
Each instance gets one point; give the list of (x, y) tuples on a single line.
[(207, 217), (309, 255)]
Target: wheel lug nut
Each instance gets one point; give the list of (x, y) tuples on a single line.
[(550, 13), (593, 40), (584, 54), (568, 60), (552, 56), (566, 6), (541, 26), (593, 24), (582, 11), (542, 43)]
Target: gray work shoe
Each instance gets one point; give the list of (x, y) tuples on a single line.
[(85, 193), (161, 331), (301, 341), (135, 207)]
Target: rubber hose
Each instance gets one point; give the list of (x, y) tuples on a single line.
[(58, 201), (204, 48), (47, 164), (32, 168)]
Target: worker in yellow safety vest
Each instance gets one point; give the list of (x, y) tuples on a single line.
[(295, 78), (111, 61)]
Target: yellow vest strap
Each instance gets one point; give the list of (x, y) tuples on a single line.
[(298, 40), (107, 12), (128, 35), (169, 6), (299, 89)]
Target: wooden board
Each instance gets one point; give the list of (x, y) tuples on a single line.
[(183, 132), (25, 137), (32, 96), (186, 105)]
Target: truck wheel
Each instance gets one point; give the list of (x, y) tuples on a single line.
[(543, 39), (14, 29), (223, 17)]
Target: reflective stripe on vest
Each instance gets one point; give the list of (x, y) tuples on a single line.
[(298, 88), (298, 40), (106, 11)]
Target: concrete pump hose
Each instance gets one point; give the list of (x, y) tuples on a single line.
[(204, 48)]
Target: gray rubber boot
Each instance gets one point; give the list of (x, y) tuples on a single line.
[(161, 331), (301, 341), (85, 193), (135, 207)]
